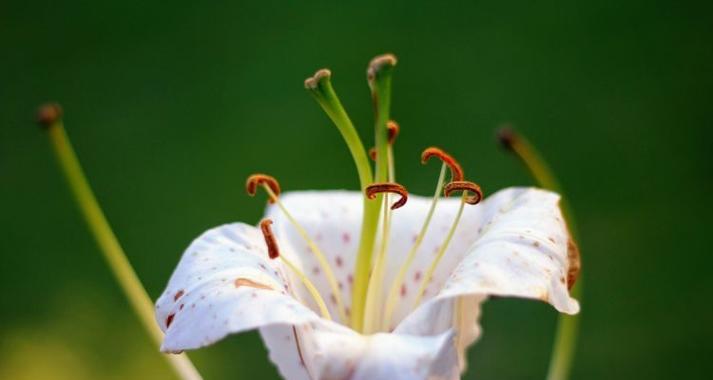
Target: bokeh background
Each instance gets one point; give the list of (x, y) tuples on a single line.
[(171, 106)]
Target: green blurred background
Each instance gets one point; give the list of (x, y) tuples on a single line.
[(171, 106)]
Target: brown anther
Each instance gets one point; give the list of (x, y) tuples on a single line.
[(506, 137), (273, 251), (258, 179), (388, 187), (456, 170), (393, 129), (467, 186), (48, 114)]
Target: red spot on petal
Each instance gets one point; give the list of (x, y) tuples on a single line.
[(333, 298), (181, 307), (169, 320), (178, 295), (403, 290), (350, 279), (346, 238), (315, 271), (417, 275), (338, 261)]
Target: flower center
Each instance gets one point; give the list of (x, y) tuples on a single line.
[(369, 312)]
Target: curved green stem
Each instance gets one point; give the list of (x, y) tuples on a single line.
[(110, 247)]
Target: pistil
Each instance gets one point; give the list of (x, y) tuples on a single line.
[(320, 87), (272, 188), (273, 252)]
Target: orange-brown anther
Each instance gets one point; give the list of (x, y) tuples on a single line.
[(456, 170), (388, 187), (475, 198), (258, 179), (393, 131), (273, 251)]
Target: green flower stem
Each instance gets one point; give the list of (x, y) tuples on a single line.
[(320, 87), (109, 245), (565, 344)]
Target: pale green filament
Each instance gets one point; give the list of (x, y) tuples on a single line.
[(372, 314), (110, 247), (373, 295), (392, 299), (429, 273), (318, 254), (310, 288)]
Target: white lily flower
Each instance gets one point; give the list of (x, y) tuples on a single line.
[(412, 311), (513, 244)]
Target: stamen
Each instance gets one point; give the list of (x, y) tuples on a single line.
[(387, 187), (272, 249), (274, 253), (465, 186), (263, 179), (392, 299), (270, 184), (456, 170)]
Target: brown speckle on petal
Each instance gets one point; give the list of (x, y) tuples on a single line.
[(169, 320), (178, 295)]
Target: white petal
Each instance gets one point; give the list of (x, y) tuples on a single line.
[(329, 351), (523, 252), (225, 284)]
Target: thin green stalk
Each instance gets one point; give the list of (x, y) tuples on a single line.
[(320, 87), (107, 241), (565, 344)]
